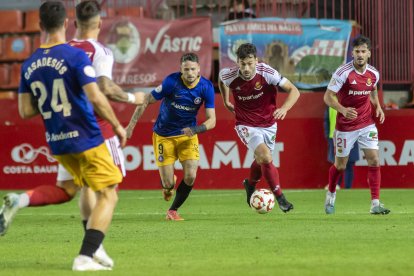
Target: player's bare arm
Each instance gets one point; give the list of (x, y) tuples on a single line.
[(139, 110), (331, 100), (280, 113), (27, 106), (225, 94), (208, 124), (104, 109), (379, 113), (117, 94)]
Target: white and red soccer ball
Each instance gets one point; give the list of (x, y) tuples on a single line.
[(262, 201)]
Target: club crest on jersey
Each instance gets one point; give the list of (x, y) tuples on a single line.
[(197, 100), (369, 82), (258, 86)]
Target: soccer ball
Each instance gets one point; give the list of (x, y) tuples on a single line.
[(262, 201)]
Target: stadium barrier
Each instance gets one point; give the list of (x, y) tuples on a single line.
[(300, 153)]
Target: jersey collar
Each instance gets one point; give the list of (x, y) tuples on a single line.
[(194, 84), (50, 45)]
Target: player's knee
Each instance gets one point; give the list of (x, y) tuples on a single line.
[(340, 167), (189, 180), (69, 187), (109, 195), (374, 162), (264, 159)]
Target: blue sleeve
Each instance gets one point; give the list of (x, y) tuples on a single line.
[(23, 88), (209, 95), (163, 90), (84, 70)]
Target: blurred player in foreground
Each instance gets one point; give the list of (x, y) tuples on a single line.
[(58, 82)]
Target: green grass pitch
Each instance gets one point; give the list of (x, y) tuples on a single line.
[(222, 236)]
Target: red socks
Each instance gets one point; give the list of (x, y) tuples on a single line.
[(46, 195), (271, 175), (334, 175), (374, 181), (255, 173)]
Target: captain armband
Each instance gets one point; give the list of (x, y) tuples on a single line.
[(198, 129)]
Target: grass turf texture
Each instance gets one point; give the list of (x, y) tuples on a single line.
[(222, 236)]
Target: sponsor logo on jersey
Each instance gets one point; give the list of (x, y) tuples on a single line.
[(369, 82), (250, 97), (359, 93), (238, 88), (61, 136), (183, 107), (197, 100), (353, 82)]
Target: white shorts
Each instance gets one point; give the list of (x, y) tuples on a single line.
[(252, 137), (117, 155), (367, 138)]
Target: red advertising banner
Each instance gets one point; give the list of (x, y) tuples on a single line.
[(300, 153), (147, 50)]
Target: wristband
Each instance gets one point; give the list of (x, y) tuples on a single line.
[(131, 98), (198, 129)]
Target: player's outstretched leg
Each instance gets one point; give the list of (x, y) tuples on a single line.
[(249, 190), (330, 203), (8, 211), (379, 209), (284, 205)]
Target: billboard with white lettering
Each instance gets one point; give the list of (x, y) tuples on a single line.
[(306, 51)]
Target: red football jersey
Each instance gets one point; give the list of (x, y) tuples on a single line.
[(353, 89), (254, 99), (102, 61)]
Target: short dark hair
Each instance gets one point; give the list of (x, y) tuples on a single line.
[(361, 40), (88, 9), (189, 57), (52, 15), (245, 50)]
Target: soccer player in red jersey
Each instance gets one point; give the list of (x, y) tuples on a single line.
[(352, 92), (254, 87)]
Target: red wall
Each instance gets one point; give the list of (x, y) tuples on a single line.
[(300, 153)]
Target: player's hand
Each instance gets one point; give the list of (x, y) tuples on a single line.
[(379, 113), (280, 113), (350, 113), (121, 133), (187, 131), (229, 106)]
